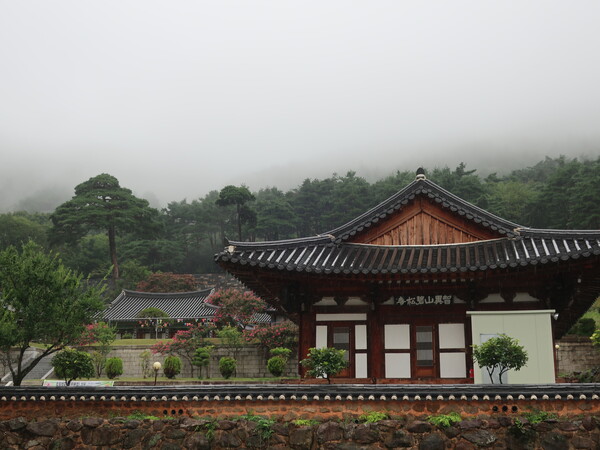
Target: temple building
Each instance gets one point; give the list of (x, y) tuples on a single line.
[(407, 287)]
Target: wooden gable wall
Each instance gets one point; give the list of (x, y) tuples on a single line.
[(424, 223)]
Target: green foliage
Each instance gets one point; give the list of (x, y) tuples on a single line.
[(502, 353), (238, 196), (70, 364), (595, 338), (138, 415), (373, 417), (101, 204), (145, 363), (101, 336), (282, 334), (537, 416), (167, 282), (18, 228), (305, 422), (227, 366), (264, 425), (236, 307), (209, 427), (113, 367), (325, 362), (276, 366), (445, 420), (285, 353), (202, 358), (521, 432), (584, 327), (172, 367), (185, 342), (41, 301)]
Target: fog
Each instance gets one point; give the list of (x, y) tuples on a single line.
[(179, 98)]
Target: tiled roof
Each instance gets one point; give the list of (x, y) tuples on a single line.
[(178, 305), (319, 256), (331, 252), (423, 187)]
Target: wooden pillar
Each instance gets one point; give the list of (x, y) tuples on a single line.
[(375, 348), (306, 338)]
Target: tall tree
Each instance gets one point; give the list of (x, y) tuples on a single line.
[(101, 204), (238, 196), (40, 301)]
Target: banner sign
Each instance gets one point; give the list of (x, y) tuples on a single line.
[(52, 383)]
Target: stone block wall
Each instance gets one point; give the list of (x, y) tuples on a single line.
[(576, 354), (212, 433), (251, 362)]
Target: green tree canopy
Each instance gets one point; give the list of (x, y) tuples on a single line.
[(501, 353), (70, 364), (40, 301), (101, 204), (238, 196), (18, 228), (325, 362)]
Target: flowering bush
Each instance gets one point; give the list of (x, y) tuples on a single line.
[(185, 342), (283, 334), (236, 308), (97, 333)]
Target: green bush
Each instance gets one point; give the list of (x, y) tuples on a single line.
[(584, 327), (282, 352), (113, 367), (325, 362), (227, 366), (71, 364), (172, 367), (501, 352), (202, 358), (276, 365)]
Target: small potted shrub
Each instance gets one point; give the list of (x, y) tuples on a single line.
[(172, 367), (113, 367), (227, 366)]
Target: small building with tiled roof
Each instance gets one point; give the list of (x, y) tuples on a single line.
[(407, 287), (180, 308)]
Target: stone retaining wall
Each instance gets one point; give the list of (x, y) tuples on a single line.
[(251, 362), (577, 354), (200, 433)]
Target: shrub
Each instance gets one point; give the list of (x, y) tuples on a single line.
[(202, 359), (276, 365), (283, 334), (145, 363), (325, 362), (227, 366), (71, 364), (172, 367), (503, 353), (282, 352), (113, 367)]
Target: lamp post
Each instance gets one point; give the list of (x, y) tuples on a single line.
[(156, 366)]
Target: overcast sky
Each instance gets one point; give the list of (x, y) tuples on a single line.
[(177, 98)]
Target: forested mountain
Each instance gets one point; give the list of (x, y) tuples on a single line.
[(183, 237)]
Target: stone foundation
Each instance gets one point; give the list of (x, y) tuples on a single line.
[(499, 432)]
